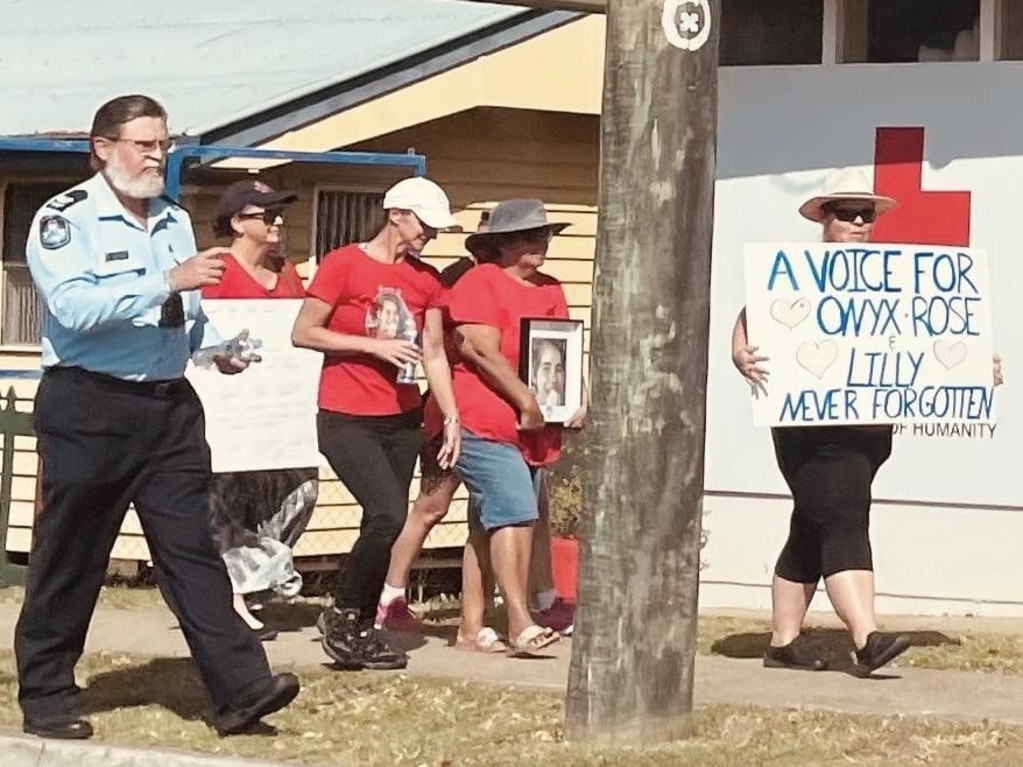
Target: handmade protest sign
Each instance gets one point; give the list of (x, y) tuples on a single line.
[(868, 333), (264, 418)]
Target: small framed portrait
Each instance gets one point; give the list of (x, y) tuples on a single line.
[(551, 364)]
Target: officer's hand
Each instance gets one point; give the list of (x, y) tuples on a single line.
[(228, 364), (200, 270)]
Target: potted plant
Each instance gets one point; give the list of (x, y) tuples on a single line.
[(565, 499)]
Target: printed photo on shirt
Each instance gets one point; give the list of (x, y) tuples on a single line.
[(390, 317)]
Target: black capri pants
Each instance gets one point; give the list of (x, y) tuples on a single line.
[(375, 457), (829, 471)]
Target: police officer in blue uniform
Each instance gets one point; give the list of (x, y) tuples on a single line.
[(117, 423)]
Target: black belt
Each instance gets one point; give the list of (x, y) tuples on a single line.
[(169, 389)]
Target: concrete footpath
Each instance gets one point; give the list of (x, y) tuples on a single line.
[(719, 680)]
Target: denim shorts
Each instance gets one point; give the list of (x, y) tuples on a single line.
[(502, 486)]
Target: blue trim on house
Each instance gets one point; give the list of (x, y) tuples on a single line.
[(21, 375), (182, 152), (201, 152)]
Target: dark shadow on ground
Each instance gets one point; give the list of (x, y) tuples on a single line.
[(834, 645), (172, 683)]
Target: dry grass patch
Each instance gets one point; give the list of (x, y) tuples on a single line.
[(393, 719)]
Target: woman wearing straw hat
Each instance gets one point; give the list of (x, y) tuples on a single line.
[(829, 471)]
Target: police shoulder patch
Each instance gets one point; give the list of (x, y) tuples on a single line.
[(54, 232), (62, 202)]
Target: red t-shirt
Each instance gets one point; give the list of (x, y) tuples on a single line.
[(238, 283), (486, 295), (381, 300)]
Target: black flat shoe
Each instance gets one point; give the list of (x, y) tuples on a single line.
[(798, 654), (881, 648), (63, 728), (271, 695), (265, 634)]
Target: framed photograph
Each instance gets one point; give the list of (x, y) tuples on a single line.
[(551, 364)]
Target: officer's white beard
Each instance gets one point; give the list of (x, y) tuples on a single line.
[(144, 187)]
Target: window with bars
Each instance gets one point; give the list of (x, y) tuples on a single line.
[(21, 317), (343, 217)]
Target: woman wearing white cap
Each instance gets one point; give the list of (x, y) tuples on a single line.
[(370, 412), (829, 471)]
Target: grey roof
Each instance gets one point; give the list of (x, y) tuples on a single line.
[(209, 62)]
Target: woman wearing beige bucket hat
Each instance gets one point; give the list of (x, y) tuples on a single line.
[(829, 471)]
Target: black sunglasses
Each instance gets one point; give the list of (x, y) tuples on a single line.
[(851, 214), (269, 216)]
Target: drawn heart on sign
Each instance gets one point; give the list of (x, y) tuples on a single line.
[(816, 358), (790, 313), (950, 354)]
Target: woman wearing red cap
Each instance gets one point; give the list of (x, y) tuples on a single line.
[(257, 516)]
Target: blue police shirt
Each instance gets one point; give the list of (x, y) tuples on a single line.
[(101, 277)]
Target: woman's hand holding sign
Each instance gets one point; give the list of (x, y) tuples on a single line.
[(747, 362)]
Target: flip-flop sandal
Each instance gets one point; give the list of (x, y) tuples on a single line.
[(486, 641), (531, 639)]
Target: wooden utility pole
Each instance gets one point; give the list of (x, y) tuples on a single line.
[(634, 643)]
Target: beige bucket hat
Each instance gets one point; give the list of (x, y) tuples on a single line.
[(843, 185)]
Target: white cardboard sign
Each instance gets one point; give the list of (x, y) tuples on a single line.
[(264, 417), (869, 333)]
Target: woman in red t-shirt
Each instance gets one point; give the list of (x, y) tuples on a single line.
[(258, 516), (504, 439), (365, 309)]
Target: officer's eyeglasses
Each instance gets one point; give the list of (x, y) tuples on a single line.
[(148, 147), (269, 216), (851, 214)]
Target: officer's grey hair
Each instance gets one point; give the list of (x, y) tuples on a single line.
[(111, 116)]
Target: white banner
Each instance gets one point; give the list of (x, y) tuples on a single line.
[(264, 417), (866, 333)]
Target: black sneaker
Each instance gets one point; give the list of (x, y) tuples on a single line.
[(881, 648), (799, 654), (377, 655), (341, 639)]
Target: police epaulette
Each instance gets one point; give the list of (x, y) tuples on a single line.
[(62, 202)]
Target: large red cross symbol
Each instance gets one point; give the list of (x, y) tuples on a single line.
[(922, 218)]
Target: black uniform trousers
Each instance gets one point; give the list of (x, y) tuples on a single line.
[(105, 443)]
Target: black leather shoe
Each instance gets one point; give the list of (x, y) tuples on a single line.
[(881, 648), (265, 634), (798, 654), (272, 695), (63, 728)]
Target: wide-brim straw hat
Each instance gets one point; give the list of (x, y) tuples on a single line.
[(512, 216), (844, 185)]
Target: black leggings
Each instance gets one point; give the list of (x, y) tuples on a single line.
[(829, 471), (374, 456)]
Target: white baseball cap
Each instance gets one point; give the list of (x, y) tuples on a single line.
[(424, 198)]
